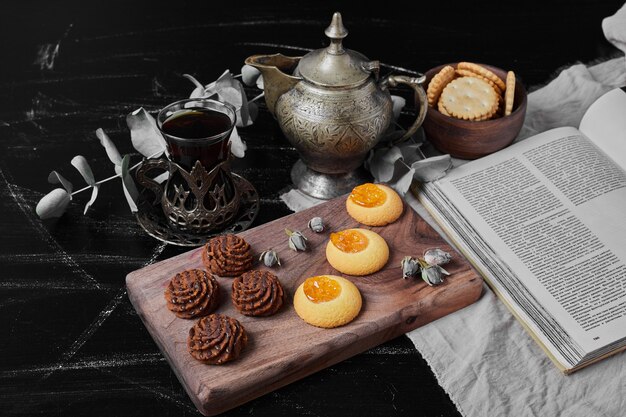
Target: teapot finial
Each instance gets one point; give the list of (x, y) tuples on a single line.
[(336, 32)]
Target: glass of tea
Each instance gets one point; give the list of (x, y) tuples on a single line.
[(200, 193), (197, 130)]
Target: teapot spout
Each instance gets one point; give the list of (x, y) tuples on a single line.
[(276, 79)]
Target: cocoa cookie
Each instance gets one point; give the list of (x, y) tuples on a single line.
[(216, 339), (257, 293), (227, 256), (192, 293)]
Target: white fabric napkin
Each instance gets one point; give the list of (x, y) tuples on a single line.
[(481, 355)]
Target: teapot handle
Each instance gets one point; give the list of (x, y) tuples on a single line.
[(420, 95)]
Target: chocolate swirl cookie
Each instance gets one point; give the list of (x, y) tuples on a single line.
[(216, 339), (192, 293), (227, 256), (257, 293)]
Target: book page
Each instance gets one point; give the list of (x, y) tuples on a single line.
[(604, 124), (552, 208)]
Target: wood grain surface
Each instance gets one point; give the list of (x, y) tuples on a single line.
[(283, 348)]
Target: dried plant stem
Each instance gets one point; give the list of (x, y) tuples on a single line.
[(256, 98), (113, 176)]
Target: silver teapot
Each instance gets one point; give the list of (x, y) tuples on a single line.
[(333, 108)]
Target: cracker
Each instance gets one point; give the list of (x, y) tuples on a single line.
[(509, 94), (438, 83), (468, 73), (469, 98), (500, 109), (475, 68), (442, 109)]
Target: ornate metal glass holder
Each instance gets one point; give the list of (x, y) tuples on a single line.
[(195, 205)]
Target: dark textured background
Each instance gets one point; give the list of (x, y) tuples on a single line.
[(71, 342)]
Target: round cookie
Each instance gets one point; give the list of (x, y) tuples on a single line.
[(438, 83), (468, 73), (227, 255), (216, 339), (257, 293), (357, 251), (484, 72), (327, 301), (374, 204), (469, 98), (509, 95), (192, 293)]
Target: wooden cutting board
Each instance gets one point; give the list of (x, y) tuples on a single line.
[(283, 348)]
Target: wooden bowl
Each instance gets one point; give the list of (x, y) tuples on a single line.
[(471, 140)]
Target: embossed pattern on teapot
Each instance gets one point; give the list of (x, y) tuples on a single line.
[(332, 131)]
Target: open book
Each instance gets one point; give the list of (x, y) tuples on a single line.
[(544, 221)]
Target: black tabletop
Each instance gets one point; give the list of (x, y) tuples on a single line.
[(71, 342)]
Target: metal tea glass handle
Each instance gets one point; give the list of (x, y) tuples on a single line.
[(420, 95), (142, 178)]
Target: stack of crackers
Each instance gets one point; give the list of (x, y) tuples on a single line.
[(471, 92)]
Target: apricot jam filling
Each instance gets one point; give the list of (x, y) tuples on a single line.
[(321, 289), (350, 241), (368, 195)]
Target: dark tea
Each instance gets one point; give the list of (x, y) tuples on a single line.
[(197, 134)]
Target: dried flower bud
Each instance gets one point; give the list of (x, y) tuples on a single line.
[(410, 267), (316, 224), (433, 275), (269, 258), (437, 257), (297, 241)]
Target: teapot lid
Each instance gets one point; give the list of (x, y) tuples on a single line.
[(335, 66)]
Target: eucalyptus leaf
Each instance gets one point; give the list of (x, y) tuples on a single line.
[(199, 90), (432, 169), (80, 163), (110, 148), (237, 146), (231, 91), (411, 153), (224, 80), (56, 178), (53, 204), (230, 95), (243, 115), (402, 177), (162, 177), (249, 75), (130, 190), (197, 93), (381, 163), (145, 135), (253, 111), (94, 194), (398, 104)]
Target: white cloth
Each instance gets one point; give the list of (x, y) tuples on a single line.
[(481, 355), (614, 28)]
